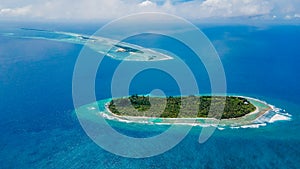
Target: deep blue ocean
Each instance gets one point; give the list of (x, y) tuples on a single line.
[(39, 128)]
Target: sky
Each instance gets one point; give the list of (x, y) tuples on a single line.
[(86, 10)]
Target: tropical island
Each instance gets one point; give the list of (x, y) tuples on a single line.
[(237, 111), (172, 107)]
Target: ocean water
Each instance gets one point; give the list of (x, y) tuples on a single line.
[(40, 130)]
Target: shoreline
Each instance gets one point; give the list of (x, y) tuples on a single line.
[(253, 119), (256, 111), (265, 114)]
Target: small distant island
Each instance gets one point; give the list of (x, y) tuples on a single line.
[(171, 107)]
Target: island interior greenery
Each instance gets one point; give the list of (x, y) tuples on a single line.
[(171, 107)]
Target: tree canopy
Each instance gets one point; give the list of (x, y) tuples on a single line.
[(181, 107)]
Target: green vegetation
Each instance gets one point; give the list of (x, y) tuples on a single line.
[(181, 107)]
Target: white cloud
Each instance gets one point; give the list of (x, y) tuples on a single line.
[(147, 3), (233, 8), (288, 17), (15, 11), (111, 9)]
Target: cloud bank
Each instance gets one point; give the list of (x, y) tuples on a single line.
[(111, 9)]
